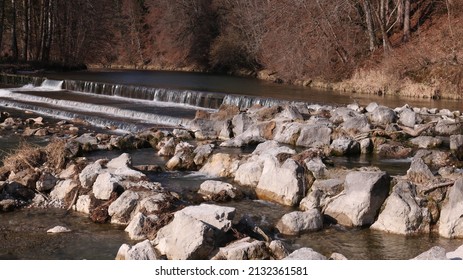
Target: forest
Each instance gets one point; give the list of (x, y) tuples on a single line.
[(410, 47)]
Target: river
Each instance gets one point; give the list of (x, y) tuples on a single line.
[(135, 100)]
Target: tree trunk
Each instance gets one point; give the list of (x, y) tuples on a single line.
[(14, 37), (369, 22), (406, 21), (26, 23), (400, 12), (2, 22)]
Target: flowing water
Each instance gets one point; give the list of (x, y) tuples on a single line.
[(137, 100)]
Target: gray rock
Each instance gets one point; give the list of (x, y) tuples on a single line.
[(104, 185), (141, 251), (185, 238), (83, 204), (243, 249), (435, 253), (402, 214), (426, 142), (249, 173), (298, 222), (272, 148), (314, 136), (70, 173), (382, 116), (305, 254), (419, 172), (166, 147), (217, 216), (456, 142), (122, 208), (357, 124), (448, 127), (371, 107), (211, 188), (345, 147), (182, 134), (202, 153), (220, 165), (408, 118), (287, 133), (366, 146), (278, 249), (135, 227), (451, 217), (89, 174), (87, 139), (241, 123), (316, 166), (46, 182), (359, 203), (282, 183), (183, 157), (63, 189)]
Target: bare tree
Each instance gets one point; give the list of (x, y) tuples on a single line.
[(14, 35), (406, 21), (2, 22)]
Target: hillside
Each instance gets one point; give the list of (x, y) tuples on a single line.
[(407, 47)]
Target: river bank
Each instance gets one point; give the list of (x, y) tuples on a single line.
[(288, 162)]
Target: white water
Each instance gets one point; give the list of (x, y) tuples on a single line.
[(96, 114), (52, 85)]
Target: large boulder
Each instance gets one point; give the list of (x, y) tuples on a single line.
[(243, 249), (408, 117), (287, 133), (402, 214), (249, 173), (185, 238), (382, 115), (121, 209), (64, 189), (104, 185), (220, 165), (358, 204), (141, 251), (451, 217), (419, 172), (89, 174), (356, 124), (448, 127), (426, 142), (298, 222), (345, 147), (282, 182), (321, 193), (202, 153), (211, 189), (314, 136)]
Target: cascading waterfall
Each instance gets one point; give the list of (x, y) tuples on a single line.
[(52, 85), (128, 107), (187, 97)]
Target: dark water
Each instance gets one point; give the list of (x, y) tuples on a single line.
[(23, 235)]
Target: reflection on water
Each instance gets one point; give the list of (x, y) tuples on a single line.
[(23, 236)]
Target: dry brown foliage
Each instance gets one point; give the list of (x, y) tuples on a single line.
[(56, 153), (30, 156), (24, 157)]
